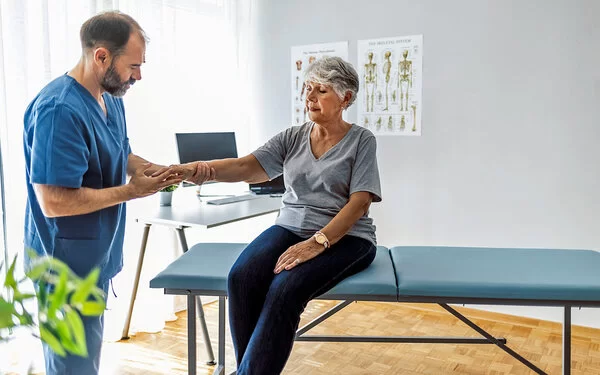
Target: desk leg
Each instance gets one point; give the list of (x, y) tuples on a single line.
[(125, 334), (220, 370), (567, 341), (205, 336), (191, 326)]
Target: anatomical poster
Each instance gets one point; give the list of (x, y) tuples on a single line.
[(391, 75)]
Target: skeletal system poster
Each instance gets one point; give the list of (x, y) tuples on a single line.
[(390, 72), (302, 56)]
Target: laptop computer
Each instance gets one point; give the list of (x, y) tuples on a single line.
[(275, 186)]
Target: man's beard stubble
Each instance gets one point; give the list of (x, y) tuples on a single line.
[(112, 84)]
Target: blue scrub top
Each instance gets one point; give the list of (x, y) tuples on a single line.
[(70, 142)]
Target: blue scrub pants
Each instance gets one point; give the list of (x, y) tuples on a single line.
[(264, 308), (76, 365)]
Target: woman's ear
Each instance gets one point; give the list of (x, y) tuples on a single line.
[(346, 101)]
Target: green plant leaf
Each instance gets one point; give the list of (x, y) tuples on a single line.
[(6, 314), (76, 324), (59, 297), (10, 280), (91, 308), (62, 331), (37, 269), (84, 289), (42, 293), (20, 297), (26, 319), (169, 188), (62, 297), (42, 267), (51, 340)]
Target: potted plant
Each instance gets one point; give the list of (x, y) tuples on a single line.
[(61, 298), (166, 195)]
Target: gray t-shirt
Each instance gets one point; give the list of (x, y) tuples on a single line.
[(317, 189)]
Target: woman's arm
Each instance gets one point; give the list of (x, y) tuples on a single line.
[(357, 206), (246, 169)]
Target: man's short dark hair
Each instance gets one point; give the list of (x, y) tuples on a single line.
[(110, 30)]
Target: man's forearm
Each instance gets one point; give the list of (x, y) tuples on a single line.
[(58, 201)]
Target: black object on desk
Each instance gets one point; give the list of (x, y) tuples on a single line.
[(275, 186)]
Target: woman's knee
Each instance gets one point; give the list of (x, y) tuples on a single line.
[(287, 293), (237, 276)]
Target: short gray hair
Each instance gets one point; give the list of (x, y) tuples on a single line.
[(335, 72)]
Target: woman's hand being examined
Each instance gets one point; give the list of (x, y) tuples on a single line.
[(196, 172), (298, 254)]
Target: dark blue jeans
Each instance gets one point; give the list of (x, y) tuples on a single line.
[(264, 308)]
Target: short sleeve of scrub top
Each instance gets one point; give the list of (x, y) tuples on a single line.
[(59, 154)]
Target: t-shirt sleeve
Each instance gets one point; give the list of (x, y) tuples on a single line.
[(59, 154), (365, 173), (272, 154)]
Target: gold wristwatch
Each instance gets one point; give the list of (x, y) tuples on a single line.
[(321, 239)]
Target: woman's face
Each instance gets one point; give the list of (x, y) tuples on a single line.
[(323, 103)]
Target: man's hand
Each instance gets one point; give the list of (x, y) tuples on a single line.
[(298, 254), (142, 185), (196, 172)]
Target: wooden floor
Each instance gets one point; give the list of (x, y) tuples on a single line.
[(538, 341)]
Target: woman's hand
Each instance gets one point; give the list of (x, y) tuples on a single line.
[(202, 173), (298, 254), (197, 172)]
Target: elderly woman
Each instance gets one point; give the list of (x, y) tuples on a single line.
[(323, 233)]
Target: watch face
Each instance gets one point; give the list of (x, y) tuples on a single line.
[(320, 238)]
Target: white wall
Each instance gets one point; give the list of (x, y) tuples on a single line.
[(511, 115)]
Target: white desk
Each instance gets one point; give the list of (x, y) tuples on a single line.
[(189, 211)]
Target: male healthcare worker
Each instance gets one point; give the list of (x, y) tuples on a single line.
[(78, 157)]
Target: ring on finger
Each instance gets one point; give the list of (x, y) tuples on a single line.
[(297, 261)]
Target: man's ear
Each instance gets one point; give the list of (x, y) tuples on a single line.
[(101, 55)]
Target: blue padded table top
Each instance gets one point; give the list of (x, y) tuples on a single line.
[(494, 273), (205, 266), (376, 283)]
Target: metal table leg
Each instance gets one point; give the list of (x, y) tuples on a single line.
[(191, 326), (205, 335), (567, 341)]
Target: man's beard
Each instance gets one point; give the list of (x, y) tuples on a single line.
[(112, 84)]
